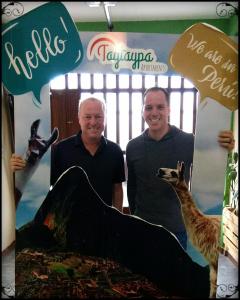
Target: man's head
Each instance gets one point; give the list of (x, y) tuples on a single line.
[(91, 116), (156, 108)]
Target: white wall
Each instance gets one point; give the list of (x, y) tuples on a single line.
[(8, 202)]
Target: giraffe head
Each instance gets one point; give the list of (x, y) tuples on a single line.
[(172, 176)]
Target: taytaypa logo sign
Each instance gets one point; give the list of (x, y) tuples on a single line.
[(112, 51), (38, 46), (210, 61)]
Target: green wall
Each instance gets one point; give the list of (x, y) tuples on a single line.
[(229, 26)]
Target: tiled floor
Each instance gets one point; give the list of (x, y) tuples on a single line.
[(227, 277)]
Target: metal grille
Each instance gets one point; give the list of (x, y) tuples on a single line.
[(123, 95)]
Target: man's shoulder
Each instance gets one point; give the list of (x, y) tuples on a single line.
[(135, 142), (112, 145), (184, 139), (66, 142), (183, 134)]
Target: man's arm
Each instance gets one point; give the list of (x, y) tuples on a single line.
[(117, 201)]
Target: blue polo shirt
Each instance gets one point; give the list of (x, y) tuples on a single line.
[(104, 168)]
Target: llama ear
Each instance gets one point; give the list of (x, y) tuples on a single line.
[(181, 171), (178, 166)]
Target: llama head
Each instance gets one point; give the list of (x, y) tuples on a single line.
[(172, 176)]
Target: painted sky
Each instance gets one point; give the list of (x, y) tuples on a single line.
[(210, 160), (37, 187)]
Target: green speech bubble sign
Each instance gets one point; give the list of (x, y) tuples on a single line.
[(37, 47)]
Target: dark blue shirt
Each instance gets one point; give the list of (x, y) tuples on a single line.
[(149, 197), (104, 168)]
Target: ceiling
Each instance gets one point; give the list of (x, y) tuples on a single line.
[(131, 11)]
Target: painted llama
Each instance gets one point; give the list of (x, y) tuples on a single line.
[(203, 231)]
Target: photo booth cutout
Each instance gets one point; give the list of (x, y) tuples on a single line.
[(37, 147), (33, 54), (73, 217), (33, 182)]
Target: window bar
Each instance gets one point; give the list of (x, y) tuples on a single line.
[(117, 110), (66, 81), (143, 90), (194, 111), (78, 81), (92, 81), (156, 80), (104, 96), (181, 103), (169, 83), (130, 107), (80, 84), (169, 92)]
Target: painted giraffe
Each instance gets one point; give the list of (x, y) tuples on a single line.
[(203, 230)]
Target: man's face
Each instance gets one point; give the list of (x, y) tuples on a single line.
[(156, 110), (92, 119)]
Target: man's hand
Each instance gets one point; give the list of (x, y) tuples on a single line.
[(226, 139), (17, 162)]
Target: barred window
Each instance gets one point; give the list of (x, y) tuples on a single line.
[(123, 94)]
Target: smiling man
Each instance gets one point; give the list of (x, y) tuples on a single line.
[(101, 158), (160, 145)]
